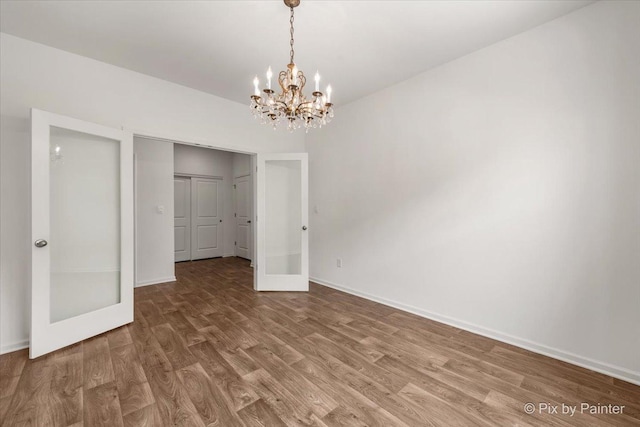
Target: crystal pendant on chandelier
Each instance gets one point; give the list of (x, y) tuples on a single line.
[(291, 107)]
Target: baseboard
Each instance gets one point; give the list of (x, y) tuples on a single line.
[(584, 362), (18, 345), (155, 281)]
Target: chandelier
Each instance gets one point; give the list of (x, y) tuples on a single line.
[(291, 107)]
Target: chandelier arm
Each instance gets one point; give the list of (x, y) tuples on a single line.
[(282, 78)]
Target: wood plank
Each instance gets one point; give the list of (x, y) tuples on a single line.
[(102, 406), (172, 400), (119, 337), (8, 385), (334, 333), (97, 362), (287, 406), (284, 351), (187, 331), (359, 363), (237, 391), (67, 388), (4, 407), (173, 345), (29, 403), (359, 406), (259, 414), (133, 390), (440, 413), (149, 416), (306, 391), (207, 398)]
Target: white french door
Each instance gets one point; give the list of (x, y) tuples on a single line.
[(81, 229), (282, 215)]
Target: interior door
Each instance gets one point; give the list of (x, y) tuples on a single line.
[(82, 230), (206, 218), (182, 218), (242, 186), (282, 214)]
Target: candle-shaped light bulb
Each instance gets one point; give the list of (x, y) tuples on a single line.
[(294, 75), (269, 75), (328, 94), (317, 79), (57, 149), (256, 82)]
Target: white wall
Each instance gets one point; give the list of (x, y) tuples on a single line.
[(241, 165), (34, 75), (499, 192), (154, 229), (15, 232), (190, 160)]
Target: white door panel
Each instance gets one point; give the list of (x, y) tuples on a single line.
[(82, 230), (282, 215), (206, 218), (182, 218), (242, 187)]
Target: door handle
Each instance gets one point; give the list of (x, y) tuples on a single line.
[(248, 222), (40, 243), (304, 228)]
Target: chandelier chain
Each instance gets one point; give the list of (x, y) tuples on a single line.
[(291, 32)]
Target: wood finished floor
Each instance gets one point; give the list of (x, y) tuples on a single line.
[(209, 351)]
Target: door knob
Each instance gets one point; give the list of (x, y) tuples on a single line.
[(248, 222), (304, 228), (40, 243)]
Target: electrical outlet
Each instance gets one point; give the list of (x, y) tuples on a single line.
[(339, 262)]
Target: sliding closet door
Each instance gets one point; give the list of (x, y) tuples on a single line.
[(82, 230)]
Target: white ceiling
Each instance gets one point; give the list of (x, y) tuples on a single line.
[(218, 46)]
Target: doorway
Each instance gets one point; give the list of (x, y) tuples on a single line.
[(213, 203)]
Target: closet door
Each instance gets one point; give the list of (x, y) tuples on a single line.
[(182, 218), (206, 218), (82, 230)]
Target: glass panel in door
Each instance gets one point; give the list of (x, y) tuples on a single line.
[(283, 217), (81, 229), (84, 238), (282, 214)]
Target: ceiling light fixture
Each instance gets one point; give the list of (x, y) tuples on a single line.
[(290, 106)]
